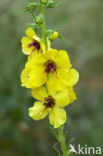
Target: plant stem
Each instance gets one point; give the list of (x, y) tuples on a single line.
[(62, 141), (44, 36)]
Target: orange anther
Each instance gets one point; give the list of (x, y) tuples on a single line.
[(57, 76), (46, 81), (30, 54)]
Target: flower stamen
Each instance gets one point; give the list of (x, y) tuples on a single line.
[(50, 66), (49, 102), (34, 44)]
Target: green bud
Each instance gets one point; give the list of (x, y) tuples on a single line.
[(54, 35), (44, 1), (39, 19)]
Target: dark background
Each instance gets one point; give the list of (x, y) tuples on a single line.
[(81, 24)]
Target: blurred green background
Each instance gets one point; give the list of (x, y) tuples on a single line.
[(81, 22)]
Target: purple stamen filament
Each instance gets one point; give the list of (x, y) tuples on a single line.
[(49, 102), (50, 66), (35, 44)]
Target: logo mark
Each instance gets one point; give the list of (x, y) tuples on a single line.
[(85, 150), (72, 149)]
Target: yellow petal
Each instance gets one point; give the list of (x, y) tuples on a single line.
[(57, 82), (73, 77), (33, 78), (40, 93), (57, 117), (54, 84), (72, 96), (30, 32), (25, 78), (38, 111), (67, 77), (62, 98), (36, 59), (50, 54), (65, 97), (37, 76), (25, 42), (36, 38), (49, 44), (62, 59), (63, 79), (42, 47)]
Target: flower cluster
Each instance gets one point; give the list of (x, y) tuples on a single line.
[(51, 78)]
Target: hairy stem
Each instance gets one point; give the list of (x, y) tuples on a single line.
[(62, 141), (44, 36)]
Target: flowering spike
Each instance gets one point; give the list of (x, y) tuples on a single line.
[(47, 72)]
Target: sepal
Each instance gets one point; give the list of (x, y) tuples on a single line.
[(52, 4), (35, 26), (30, 7)]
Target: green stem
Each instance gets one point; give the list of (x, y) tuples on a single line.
[(44, 36), (62, 141)]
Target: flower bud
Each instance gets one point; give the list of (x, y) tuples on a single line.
[(51, 1), (39, 19), (44, 1), (54, 35)]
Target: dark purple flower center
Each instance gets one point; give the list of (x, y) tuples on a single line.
[(35, 44), (50, 66), (49, 102)]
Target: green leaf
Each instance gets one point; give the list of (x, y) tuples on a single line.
[(70, 154), (54, 132), (54, 146), (52, 4), (61, 37), (49, 32), (71, 140), (30, 7)]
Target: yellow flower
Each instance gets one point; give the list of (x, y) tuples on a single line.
[(53, 68), (31, 43), (51, 104), (54, 35)]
